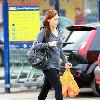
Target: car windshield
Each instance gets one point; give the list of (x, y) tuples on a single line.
[(76, 39), (63, 23)]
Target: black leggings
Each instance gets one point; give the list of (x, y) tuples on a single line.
[(51, 80)]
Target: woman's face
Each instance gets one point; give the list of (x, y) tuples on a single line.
[(53, 22)]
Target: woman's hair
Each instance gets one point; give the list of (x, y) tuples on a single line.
[(49, 14)]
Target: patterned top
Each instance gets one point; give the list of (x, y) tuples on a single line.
[(55, 53)]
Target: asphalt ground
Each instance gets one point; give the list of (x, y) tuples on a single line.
[(24, 93)]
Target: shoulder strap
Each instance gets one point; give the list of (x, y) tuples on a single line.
[(44, 38)]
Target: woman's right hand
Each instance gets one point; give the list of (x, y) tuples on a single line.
[(53, 44)]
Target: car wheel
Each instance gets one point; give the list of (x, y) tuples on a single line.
[(95, 88)]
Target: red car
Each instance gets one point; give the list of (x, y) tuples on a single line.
[(82, 48)]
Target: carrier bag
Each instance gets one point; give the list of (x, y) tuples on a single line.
[(69, 85)]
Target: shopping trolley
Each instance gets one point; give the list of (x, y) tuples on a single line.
[(22, 74)]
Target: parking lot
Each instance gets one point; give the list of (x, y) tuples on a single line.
[(24, 93)]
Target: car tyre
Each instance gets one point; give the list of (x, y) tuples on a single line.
[(95, 88)]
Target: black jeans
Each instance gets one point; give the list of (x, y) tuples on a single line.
[(51, 80)]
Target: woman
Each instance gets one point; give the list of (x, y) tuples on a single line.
[(53, 42)]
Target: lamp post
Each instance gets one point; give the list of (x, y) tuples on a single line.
[(57, 5), (6, 47)]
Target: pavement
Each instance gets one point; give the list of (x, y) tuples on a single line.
[(26, 94)]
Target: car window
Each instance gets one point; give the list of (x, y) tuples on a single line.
[(77, 38), (63, 23), (95, 45)]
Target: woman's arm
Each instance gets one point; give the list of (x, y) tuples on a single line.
[(38, 44), (62, 56), (67, 64)]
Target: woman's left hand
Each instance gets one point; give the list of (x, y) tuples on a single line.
[(68, 65)]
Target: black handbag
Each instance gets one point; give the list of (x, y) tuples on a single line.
[(38, 58)]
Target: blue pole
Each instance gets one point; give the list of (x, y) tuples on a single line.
[(99, 9), (6, 47)]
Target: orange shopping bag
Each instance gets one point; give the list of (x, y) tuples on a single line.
[(69, 85)]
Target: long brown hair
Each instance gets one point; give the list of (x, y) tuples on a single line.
[(49, 14)]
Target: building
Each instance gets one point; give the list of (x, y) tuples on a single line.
[(88, 8)]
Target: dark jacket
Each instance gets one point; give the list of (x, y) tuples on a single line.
[(55, 53)]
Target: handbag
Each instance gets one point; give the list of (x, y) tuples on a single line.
[(69, 85), (38, 58)]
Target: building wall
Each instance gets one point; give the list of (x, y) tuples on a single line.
[(91, 10), (23, 2), (91, 4), (69, 6)]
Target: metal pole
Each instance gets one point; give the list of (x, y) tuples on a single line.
[(99, 9), (57, 5), (57, 8), (6, 47)]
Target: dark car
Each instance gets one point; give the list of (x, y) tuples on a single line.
[(82, 49)]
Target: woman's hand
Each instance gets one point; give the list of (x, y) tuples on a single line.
[(68, 65), (53, 44)]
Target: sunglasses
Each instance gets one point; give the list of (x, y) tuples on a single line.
[(51, 11)]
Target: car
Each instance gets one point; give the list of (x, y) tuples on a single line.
[(63, 23), (97, 75), (96, 81), (82, 49)]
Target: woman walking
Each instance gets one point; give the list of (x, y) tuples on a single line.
[(53, 40)]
